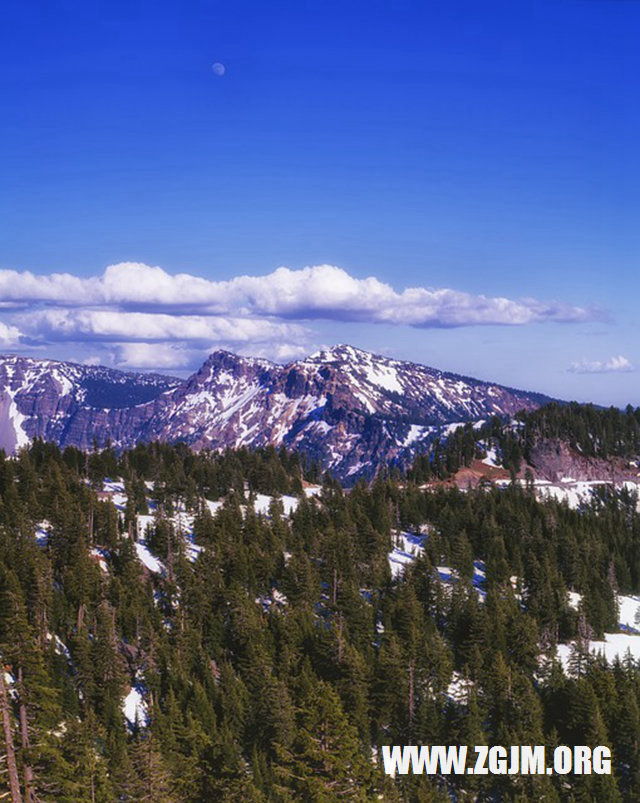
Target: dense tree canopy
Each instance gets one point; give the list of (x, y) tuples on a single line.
[(275, 663)]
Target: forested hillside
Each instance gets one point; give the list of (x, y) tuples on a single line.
[(590, 432), (200, 627)]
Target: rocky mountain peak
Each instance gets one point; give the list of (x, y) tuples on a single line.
[(342, 353), (346, 407)]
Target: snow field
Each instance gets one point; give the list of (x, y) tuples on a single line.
[(134, 706), (614, 645), (409, 546)]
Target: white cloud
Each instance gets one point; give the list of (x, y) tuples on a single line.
[(111, 325), (319, 292), (9, 335), (23, 287), (277, 352), (162, 341), (156, 356), (141, 316), (178, 356), (329, 292), (617, 364)]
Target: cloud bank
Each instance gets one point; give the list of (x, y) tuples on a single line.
[(617, 364), (174, 315), (110, 325), (319, 292)]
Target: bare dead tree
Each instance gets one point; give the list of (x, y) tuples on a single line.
[(29, 780), (14, 782)]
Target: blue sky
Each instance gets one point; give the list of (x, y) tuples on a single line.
[(473, 151)]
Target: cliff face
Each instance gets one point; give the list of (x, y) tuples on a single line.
[(554, 460), (65, 402), (345, 407)]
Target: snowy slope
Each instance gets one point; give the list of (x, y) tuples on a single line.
[(60, 401)]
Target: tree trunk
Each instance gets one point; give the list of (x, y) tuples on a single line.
[(80, 621), (411, 696), (339, 628), (29, 794), (14, 783), (90, 524)]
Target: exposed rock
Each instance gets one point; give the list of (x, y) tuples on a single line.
[(555, 460)]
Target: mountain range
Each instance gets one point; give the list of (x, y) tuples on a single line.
[(345, 407)]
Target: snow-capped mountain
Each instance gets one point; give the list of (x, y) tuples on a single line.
[(346, 407), (44, 398)]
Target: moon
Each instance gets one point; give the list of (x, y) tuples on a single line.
[(218, 68)]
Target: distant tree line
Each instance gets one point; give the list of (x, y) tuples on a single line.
[(589, 430)]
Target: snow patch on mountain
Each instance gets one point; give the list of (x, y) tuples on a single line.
[(417, 433), (12, 434), (492, 459), (385, 376), (629, 612), (43, 532), (262, 504), (614, 645), (147, 559), (577, 492), (407, 547), (135, 707)]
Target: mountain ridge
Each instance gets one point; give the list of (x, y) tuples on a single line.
[(347, 408)]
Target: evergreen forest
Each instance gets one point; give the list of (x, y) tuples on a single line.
[(252, 641)]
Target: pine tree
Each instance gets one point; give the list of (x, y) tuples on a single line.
[(324, 763)]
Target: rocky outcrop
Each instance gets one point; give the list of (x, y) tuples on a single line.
[(556, 461)]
